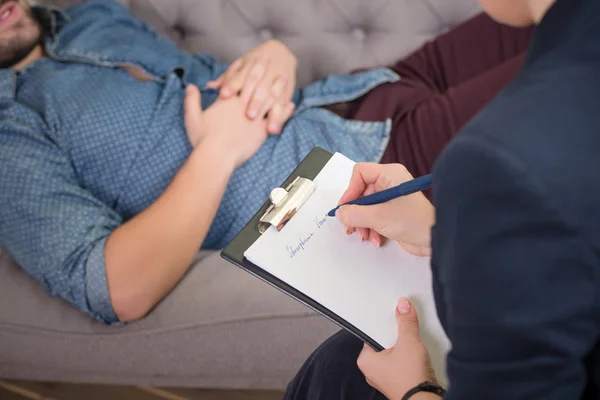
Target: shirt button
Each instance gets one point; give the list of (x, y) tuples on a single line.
[(265, 35)]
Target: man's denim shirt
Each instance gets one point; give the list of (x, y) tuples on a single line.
[(84, 146)]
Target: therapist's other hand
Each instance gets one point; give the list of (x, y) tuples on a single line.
[(397, 370), (407, 220)]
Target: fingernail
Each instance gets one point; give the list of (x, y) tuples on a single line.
[(338, 213), (252, 113), (375, 242), (226, 92), (363, 238), (348, 231), (403, 306), (274, 128)]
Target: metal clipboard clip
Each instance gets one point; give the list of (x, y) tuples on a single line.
[(285, 203)]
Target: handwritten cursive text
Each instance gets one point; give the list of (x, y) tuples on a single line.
[(319, 222), (294, 250)]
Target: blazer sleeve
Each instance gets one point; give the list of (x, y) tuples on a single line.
[(514, 281)]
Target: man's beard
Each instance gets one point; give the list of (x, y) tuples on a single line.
[(28, 34)]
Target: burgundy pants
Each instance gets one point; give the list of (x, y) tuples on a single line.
[(442, 86)]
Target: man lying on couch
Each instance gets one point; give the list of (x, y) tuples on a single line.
[(107, 190)]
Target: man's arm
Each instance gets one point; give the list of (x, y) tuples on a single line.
[(514, 281), (147, 256), (76, 245), (54, 228)]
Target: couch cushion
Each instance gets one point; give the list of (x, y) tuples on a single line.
[(328, 36), (220, 327)]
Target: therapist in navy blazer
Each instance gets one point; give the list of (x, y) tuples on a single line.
[(514, 237)]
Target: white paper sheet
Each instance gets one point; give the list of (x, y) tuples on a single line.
[(354, 280)]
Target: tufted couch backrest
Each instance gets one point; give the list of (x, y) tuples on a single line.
[(328, 36)]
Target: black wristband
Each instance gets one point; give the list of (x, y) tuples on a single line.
[(429, 387)]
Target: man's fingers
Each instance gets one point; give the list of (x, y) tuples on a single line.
[(216, 84), (278, 113), (279, 85), (192, 106), (231, 72), (407, 320), (267, 107), (255, 77), (276, 119), (261, 101), (288, 111), (278, 116), (192, 113), (234, 83)]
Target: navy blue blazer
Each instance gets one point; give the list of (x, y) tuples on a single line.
[(516, 246)]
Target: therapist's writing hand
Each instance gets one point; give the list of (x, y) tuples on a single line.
[(397, 370), (407, 220)]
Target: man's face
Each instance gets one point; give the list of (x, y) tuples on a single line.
[(19, 32)]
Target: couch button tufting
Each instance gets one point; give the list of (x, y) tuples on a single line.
[(359, 33), (265, 34)]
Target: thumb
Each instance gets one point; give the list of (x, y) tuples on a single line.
[(367, 358), (192, 107), (358, 217), (216, 84), (407, 319)]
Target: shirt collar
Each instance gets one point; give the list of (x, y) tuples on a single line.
[(51, 18), (567, 23)]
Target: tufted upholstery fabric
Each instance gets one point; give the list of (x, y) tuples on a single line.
[(220, 327), (328, 36)]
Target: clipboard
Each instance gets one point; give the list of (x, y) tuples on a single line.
[(303, 175)]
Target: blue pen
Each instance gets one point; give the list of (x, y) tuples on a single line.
[(404, 189)]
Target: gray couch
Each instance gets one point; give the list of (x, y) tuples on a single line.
[(220, 327)]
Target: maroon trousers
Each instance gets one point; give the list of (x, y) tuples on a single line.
[(442, 86)]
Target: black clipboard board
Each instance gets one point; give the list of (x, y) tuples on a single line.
[(309, 168)]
